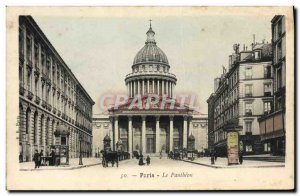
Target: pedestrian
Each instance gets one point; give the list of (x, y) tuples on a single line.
[(40, 157), (148, 160), (241, 158), (21, 157), (141, 161), (212, 158), (52, 154), (36, 159), (160, 154), (216, 156)]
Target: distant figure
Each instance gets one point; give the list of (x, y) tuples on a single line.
[(241, 158), (40, 157), (141, 160), (148, 160), (216, 156), (212, 158), (21, 157), (52, 154), (36, 159), (160, 154)]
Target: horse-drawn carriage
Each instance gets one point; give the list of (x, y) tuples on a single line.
[(176, 155), (110, 157)]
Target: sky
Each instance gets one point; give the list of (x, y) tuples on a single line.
[(100, 50)]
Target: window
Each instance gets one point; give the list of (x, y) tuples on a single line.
[(279, 50), (248, 73), (279, 28), (279, 78), (248, 90), (36, 55), (267, 72), (278, 103), (257, 55), (248, 109), (267, 147), (248, 148), (267, 107), (28, 49), (248, 126), (21, 43), (267, 89)]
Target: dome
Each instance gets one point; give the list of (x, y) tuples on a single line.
[(150, 52)]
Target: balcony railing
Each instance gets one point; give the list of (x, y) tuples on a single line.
[(49, 107), (37, 71), (151, 73), (267, 76), (248, 95), (37, 99), (267, 94), (44, 104), (248, 113), (22, 90), (54, 110), (29, 64), (29, 95)]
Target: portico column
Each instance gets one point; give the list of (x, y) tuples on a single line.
[(133, 88), (143, 87), (169, 92), (185, 131), (129, 89), (130, 135), (153, 84), (162, 87), (143, 135), (158, 89), (138, 87), (157, 135), (171, 133), (148, 91), (116, 135)]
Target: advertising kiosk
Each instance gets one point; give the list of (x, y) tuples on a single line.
[(61, 145), (191, 147)]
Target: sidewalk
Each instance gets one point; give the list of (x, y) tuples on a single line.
[(222, 163), (73, 164)]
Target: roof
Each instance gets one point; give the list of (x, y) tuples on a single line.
[(150, 52), (29, 19)]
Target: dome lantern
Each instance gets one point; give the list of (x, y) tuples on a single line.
[(150, 35)]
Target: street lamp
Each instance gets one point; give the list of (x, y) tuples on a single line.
[(80, 153)]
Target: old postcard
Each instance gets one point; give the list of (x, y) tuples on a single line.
[(150, 98)]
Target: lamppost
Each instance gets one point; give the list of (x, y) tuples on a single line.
[(80, 153)]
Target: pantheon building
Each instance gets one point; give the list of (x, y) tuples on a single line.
[(151, 128)]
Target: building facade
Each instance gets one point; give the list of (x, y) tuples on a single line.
[(272, 125), (242, 94), (49, 96), (157, 127)]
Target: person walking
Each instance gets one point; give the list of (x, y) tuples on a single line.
[(241, 157), (148, 160), (40, 157), (141, 161), (52, 154), (160, 154), (36, 159)]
